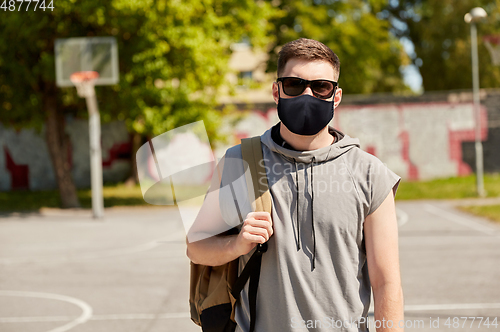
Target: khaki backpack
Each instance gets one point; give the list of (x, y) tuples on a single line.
[(215, 290)]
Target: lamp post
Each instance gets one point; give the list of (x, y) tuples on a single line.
[(476, 14)]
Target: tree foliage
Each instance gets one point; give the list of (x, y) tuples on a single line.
[(173, 57), (442, 40), (370, 55)]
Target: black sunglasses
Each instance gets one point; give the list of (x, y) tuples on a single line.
[(295, 86)]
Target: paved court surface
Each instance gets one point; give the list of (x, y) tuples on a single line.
[(62, 271)]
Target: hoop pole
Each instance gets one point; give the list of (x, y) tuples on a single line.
[(95, 154), (477, 113)]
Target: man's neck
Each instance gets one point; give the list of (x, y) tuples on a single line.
[(307, 143)]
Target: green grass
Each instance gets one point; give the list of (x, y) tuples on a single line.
[(121, 195), (451, 188), (455, 188), (491, 212), (27, 200), (116, 195)]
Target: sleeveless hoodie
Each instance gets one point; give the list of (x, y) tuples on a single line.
[(314, 275)]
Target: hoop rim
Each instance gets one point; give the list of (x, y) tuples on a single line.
[(494, 39), (84, 76)]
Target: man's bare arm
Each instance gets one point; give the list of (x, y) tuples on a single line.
[(381, 238), (213, 251), (218, 250)]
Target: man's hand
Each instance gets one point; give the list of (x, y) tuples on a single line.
[(218, 250), (257, 228)]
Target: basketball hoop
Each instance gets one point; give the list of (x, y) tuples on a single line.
[(84, 82), (492, 43), (84, 62)]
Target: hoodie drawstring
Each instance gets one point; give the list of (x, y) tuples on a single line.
[(297, 241), (312, 215)]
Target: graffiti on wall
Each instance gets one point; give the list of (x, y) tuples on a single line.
[(25, 161), (417, 141)]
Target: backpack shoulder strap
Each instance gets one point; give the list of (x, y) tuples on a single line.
[(251, 151)]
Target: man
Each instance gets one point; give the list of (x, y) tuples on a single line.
[(332, 235)]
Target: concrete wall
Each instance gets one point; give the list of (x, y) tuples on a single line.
[(424, 137), (418, 137), (25, 161)]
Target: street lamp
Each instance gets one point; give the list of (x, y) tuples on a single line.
[(475, 15)]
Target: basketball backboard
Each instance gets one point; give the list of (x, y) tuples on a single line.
[(98, 54), (492, 43)]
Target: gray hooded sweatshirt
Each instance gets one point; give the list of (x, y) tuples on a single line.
[(314, 275)]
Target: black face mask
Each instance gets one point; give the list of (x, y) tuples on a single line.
[(305, 114)]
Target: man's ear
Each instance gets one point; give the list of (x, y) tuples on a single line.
[(338, 97), (276, 92)]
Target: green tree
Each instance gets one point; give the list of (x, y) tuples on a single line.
[(442, 40), (173, 57), (370, 55)]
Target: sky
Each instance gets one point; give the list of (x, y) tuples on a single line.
[(411, 74)]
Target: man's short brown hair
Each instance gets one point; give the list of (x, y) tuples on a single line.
[(307, 49)]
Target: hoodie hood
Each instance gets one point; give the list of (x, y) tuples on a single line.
[(341, 146)]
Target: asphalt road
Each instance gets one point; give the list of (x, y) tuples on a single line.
[(62, 270)]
